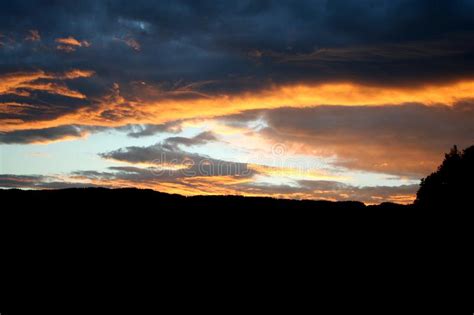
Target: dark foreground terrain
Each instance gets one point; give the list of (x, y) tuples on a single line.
[(132, 198)]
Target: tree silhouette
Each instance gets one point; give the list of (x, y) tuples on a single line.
[(451, 185)]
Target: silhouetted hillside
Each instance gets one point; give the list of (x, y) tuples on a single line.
[(148, 199)]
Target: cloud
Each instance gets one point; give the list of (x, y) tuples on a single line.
[(46, 135), (118, 108), (172, 162), (22, 83), (217, 59), (396, 139), (19, 181), (39, 95), (138, 131), (70, 44), (202, 138), (71, 41), (39, 182), (132, 43), (388, 52), (33, 36), (212, 40)]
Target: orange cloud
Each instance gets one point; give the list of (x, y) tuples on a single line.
[(69, 44), (71, 41), (155, 106), (21, 83), (12, 81), (24, 83), (77, 73), (308, 173), (164, 109)]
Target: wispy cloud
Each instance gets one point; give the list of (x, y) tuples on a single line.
[(70, 44), (23, 83), (47, 135), (33, 36)]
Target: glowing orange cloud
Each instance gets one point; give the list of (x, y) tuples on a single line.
[(22, 82), (346, 94), (71, 41), (77, 73), (70, 44), (294, 173), (13, 81), (154, 106)]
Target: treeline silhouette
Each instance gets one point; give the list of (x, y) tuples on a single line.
[(449, 186)]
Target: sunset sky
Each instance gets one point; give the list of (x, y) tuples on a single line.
[(322, 99)]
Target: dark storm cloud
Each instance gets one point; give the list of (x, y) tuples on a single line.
[(227, 37), (235, 43), (46, 135)]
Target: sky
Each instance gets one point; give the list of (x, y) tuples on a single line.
[(321, 99)]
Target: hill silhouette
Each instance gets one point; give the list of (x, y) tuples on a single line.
[(145, 198)]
